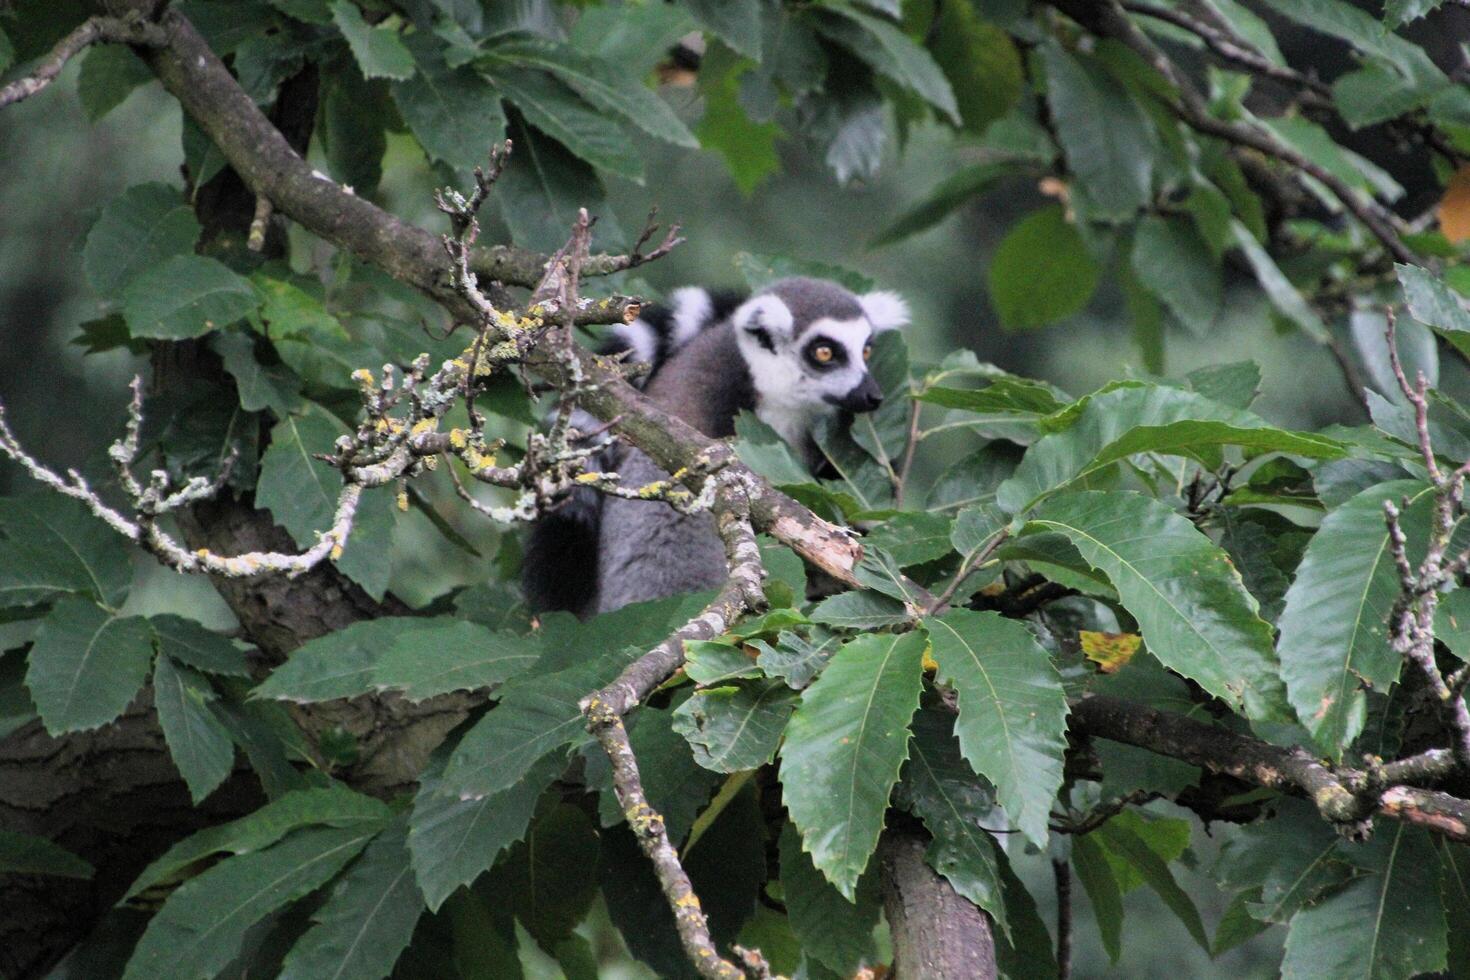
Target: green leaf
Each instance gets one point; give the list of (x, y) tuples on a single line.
[(1285, 863), (1334, 631), (914, 538), (735, 727), (1192, 609), (1236, 384), (301, 493), (136, 231), (1433, 304), (748, 147), (332, 806), (795, 659), (202, 926), (707, 663), (366, 921), (453, 840), (453, 112), (1129, 418), (760, 271), (53, 546), (186, 296), (441, 656), (1107, 137), (341, 664), (1285, 297), (1389, 923), (834, 930), (736, 22), (110, 73), (546, 876), (379, 50), (355, 114), (860, 610), (201, 747), (981, 63), (1396, 13), (1131, 848), (605, 84), (1375, 94), (890, 52), (260, 387), (560, 113), (1096, 875), (942, 200), (945, 794), (1041, 272), (1174, 263), (543, 187), (1360, 29), (1012, 719), (86, 664), (844, 747), (1028, 951), (536, 716), (27, 855)]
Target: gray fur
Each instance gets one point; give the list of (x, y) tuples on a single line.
[(754, 359)]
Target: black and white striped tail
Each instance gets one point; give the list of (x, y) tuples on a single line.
[(559, 569)]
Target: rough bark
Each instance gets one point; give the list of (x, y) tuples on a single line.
[(937, 933)]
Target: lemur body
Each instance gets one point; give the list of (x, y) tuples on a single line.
[(793, 353)]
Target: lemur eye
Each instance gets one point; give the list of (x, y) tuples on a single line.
[(867, 352), (822, 354)]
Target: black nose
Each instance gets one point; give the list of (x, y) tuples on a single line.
[(865, 397)]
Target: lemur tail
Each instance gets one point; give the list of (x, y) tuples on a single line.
[(559, 568)]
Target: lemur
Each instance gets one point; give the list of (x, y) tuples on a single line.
[(793, 353)]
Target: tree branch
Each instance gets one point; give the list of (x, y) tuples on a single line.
[(93, 30), (1107, 19), (1346, 797)]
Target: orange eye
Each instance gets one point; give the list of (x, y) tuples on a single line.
[(822, 354), (868, 352)]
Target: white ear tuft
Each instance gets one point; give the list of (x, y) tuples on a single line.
[(885, 310), (766, 313)]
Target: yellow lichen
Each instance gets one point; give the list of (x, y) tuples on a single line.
[(588, 477), (458, 440), (402, 500), (363, 377), (425, 425), (336, 552)]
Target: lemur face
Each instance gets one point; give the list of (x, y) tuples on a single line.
[(807, 343)]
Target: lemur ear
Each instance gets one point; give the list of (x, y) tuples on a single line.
[(766, 318), (885, 310)]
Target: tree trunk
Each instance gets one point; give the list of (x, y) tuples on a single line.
[(937, 933)]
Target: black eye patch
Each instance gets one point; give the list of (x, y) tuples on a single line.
[(824, 354), (763, 337)]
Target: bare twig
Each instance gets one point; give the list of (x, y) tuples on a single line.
[(93, 30), (604, 710), (1411, 621), (969, 566)]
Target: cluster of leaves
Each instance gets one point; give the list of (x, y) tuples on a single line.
[(1188, 555)]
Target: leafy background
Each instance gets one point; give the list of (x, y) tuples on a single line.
[(68, 403)]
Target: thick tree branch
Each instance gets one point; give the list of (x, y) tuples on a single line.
[(93, 30), (1345, 797), (938, 934), (256, 150)]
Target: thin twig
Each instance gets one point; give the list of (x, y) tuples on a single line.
[(1062, 874), (902, 482), (93, 30)]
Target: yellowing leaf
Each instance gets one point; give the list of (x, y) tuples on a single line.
[(1454, 209), (1110, 651)]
